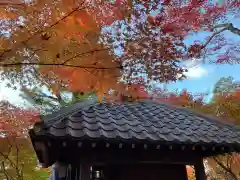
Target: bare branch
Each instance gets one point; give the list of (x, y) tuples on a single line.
[(4, 170), (225, 168), (3, 163), (7, 158), (234, 29), (225, 27), (17, 161), (229, 27), (43, 95), (221, 25), (213, 35)]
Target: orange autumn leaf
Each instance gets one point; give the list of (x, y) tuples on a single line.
[(150, 19), (237, 93), (55, 89), (85, 20)]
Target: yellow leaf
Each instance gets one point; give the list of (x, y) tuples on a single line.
[(18, 69), (100, 99)]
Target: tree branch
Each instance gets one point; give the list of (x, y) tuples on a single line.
[(12, 4), (40, 95), (82, 54), (212, 36), (7, 158), (225, 168), (60, 64), (43, 95), (229, 27), (18, 170), (4, 170), (63, 63), (225, 27)]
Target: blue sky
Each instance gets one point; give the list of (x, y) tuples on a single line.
[(201, 78), (204, 77)]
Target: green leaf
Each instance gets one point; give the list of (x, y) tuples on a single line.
[(202, 10)]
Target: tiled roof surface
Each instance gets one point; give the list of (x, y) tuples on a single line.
[(150, 121)]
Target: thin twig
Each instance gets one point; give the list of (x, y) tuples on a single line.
[(4, 170), (63, 63), (56, 23), (17, 162), (213, 35), (7, 158), (82, 54), (225, 27)]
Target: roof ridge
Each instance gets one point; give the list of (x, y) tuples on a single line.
[(66, 111)]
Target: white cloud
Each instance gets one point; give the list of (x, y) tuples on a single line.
[(192, 63), (9, 94), (196, 72)]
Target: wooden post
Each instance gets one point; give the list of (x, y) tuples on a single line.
[(185, 175), (199, 170), (74, 172), (85, 171)]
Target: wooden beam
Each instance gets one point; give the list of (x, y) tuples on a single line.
[(97, 157), (200, 170), (144, 171)]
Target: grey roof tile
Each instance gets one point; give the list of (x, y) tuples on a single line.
[(139, 121)]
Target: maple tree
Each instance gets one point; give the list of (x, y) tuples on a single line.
[(82, 56), (14, 124), (156, 47), (47, 50), (178, 19)]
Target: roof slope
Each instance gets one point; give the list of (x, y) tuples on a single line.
[(143, 120)]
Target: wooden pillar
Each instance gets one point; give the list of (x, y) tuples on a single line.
[(199, 170), (74, 172), (85, 171), (184, 170), (42, 150)]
